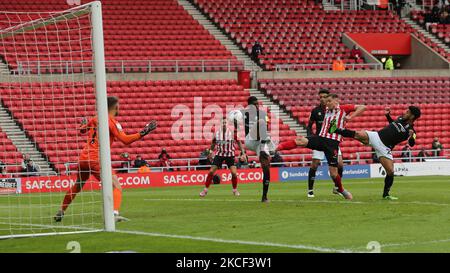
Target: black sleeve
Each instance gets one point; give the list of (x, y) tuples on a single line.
[(309, 127), (389, 118), (310, 124)]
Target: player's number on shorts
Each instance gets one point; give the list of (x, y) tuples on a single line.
[(74, 246)]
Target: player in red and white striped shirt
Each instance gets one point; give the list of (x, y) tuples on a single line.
[(335, 115), (225, 140)]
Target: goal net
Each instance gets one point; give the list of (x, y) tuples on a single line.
[(52, 76)]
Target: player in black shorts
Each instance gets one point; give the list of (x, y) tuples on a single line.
[(225, 140), (386, 139), (316, 117), (336, 115)]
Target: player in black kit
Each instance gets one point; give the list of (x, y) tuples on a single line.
[(257, 139), (316, 117), (385, 140)]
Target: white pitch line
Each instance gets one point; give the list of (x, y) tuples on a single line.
[(416, 243), (31, 235), (409, 243), (77, 228), (218, 240), (46, 226), (298, 201)]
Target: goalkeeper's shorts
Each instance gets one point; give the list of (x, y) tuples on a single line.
[(87, 168)]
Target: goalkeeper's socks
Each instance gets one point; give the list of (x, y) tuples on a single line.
[(311, 178), (209, 180), (70, 195), (346, 132), (287, 145), (388, 182), (234, 182), (117, 198)]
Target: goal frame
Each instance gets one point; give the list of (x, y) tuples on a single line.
[(99, 80)]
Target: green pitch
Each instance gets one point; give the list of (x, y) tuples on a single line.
[(177, 220)]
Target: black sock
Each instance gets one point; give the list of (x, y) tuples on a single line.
[(346, 132), (266, 181), (311, 178), (388, 181), (341, 171)]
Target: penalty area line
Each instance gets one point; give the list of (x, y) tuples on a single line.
[(239, 242)]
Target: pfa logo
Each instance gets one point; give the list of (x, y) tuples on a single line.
[(285, 175)]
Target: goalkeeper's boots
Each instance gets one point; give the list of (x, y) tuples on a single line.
[(389, 197), (118, 218), (310, 194), (264, 199), (59, 216), (333, 126)]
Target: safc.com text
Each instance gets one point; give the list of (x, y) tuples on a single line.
[(201, 177), (144, 180), (47, 183)]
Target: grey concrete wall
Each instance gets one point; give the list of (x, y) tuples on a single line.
[(122, 77), (233, 75), (423, 57), (355, 74)]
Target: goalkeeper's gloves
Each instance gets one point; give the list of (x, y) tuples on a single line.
[(84, 121), (148, 128)]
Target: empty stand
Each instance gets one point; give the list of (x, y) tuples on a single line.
[(441, 31), (134, 32), (299, 32), (9, 154)]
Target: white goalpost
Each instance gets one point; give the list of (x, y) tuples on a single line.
[(52, 76)]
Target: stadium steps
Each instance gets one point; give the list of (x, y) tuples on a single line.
[(219, 35), (412, 6), (279, 112), (329, 6), (23, 144), (4, 68), (427, 34)]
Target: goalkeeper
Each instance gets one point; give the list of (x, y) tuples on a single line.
[(89, 163), (386, 139)]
